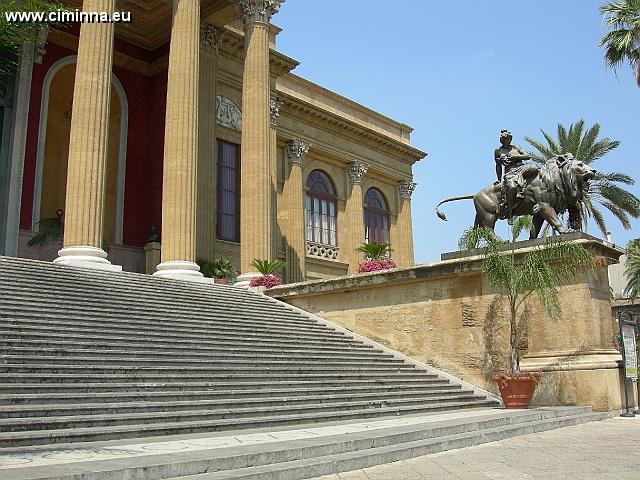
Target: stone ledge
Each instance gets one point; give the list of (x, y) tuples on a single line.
[(463, 263)]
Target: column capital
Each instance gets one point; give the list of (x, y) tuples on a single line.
[(210, 37), (356, 171), (406, 188), (253, 11), (296, 150), (274, 110)]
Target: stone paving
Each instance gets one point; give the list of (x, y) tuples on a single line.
[(606, 450)]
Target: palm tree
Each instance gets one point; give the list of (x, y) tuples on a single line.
[(538, 271), (622, 43), (604, 189)]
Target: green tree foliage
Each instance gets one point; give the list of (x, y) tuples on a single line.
[(13, 34), (632, 272), (605, 189), (517, 277), (374, 250), (622, 43)]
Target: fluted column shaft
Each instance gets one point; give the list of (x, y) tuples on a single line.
[(89, 131), (88, 145), (207, 174), (256, 236), (355, 218), (293, 224), (402, 231), (181, 140), (402, 236), (354, 213)]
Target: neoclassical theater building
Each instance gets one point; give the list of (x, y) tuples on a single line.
[(188, 128)]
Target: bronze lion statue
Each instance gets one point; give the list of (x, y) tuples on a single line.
[(559, 184)]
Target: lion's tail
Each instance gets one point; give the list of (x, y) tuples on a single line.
[(441, 215)]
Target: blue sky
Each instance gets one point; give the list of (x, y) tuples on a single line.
[(458, 77)]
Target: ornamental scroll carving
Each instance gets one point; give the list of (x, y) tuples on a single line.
[(274, 110), (356, 171), (228, 114), (258, 10), (210, 37), (296, 150), (406, 188)]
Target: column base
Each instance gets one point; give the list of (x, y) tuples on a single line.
[(244, 280), (86, 257), (181, 270)]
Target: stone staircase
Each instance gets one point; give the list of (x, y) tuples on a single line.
[(89, 356)]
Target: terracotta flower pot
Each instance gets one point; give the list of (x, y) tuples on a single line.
[(517, 391), (221, 281)]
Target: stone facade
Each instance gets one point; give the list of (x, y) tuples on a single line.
[(162, 161), (447, 315)]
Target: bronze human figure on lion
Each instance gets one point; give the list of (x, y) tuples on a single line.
[(524, 189)]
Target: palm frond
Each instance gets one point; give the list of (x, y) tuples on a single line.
[(266, 267), (51, 230), (374, 250), (632, 271), (622, 43)]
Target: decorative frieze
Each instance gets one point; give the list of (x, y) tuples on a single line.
[(258, 10), (356, 171), (210, 37), (406, 188), (228, 114), (318, 250), (274, 110), (296, 150)]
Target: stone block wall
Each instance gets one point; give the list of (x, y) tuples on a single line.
[(446, 314)]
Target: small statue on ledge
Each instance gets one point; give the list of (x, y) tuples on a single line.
[(524, 189), (154, 237)]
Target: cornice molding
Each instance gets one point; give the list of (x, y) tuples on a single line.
[(302, 111)]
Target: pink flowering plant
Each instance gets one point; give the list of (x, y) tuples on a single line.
[(371, 265), (266, 281), (267, 268), (376, 257)]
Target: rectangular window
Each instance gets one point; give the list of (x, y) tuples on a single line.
[(228, 227)]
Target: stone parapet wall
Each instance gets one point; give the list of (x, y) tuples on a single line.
[(447, 315)]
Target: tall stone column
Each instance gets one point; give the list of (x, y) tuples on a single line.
[(402, 231), (274, 113), (210, 37), (179, 179), (88, 144), (354, 213), (293, 224), (256, 225)]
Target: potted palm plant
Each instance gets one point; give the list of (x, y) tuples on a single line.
[(516, 277), (221, 270), (267, 268), (376, 257)]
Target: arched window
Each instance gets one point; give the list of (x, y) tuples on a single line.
[(320, 205), (376, 217)]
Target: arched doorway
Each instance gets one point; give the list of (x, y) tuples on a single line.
[(53, 149)]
